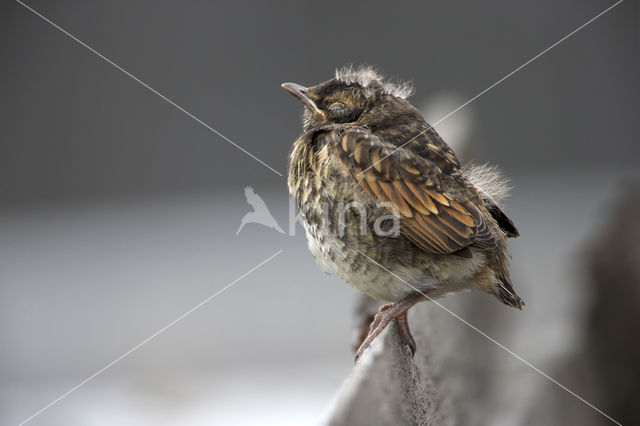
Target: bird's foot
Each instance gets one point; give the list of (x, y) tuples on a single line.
[(385, 314)]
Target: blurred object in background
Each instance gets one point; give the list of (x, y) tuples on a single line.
[(456, 129), (613, 326)]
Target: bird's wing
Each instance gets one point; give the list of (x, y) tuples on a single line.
[(430, 213)]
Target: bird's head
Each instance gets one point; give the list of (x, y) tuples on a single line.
[(356, 96)]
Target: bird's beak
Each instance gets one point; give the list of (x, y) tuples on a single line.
[(300, 92)]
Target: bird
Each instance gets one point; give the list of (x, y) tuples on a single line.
[(386, 204), (260, 213)]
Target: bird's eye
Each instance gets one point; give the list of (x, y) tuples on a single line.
[(337, 107)]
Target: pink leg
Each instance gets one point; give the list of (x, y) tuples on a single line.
[(378, 317), (385, 315), (405, 334)]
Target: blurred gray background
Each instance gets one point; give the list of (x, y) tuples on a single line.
[(118, 212)]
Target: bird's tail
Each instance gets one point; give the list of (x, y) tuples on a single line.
[(504, 290), (507, 295)]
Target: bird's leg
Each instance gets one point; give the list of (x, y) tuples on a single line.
[(405, 334), (385, 314)]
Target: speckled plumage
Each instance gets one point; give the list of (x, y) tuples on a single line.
[(322, 192), (366, 147)]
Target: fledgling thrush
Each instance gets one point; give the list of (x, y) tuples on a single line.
[(386, 204)]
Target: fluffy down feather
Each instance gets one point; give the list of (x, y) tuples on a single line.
[(369, 78), (488, 180)]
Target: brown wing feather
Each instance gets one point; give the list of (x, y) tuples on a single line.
[(432, 219)]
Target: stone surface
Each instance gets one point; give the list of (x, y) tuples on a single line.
[(385, 388)]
